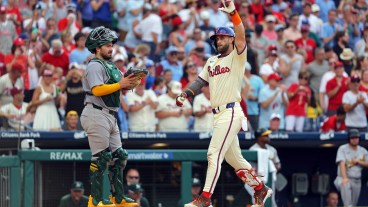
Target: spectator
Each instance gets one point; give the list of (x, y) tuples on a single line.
[(206, 28), (361, 46), (273, 99), (18, 54), (341, 42), (315, 11), (291, 63), (325, 6), (70, 22), (275, 122), (270, 32), (135, 192), (132, 176), (171, 63), (350, 158), (332, 199), (252, 55), (259, 43), (72, 122), (102, 13), (196, 189), (142, 105), (178, 36), (14, 15), (76, 197), (202, 110), (271, 63), (330, 29), (67, 40), (253, 92), (168, 113), (292, 32), (336, 122), (247, 17), (197, 38), (50, 34), (262, 142), (189, 16), (57, 57), (317, 69), (218, 18), (361, 65), (355, 103), (15, 111), (147, 33), (299, 96), (347, 57), (305, 44), (7, 32), (85, 9), (59, 10), (72, 86), (37, 21), (280, 39), (313, 115), (80, 54), (335, 89), (307, 16), (127, 13), (190, 74), (9, 81), (168, 77), (44, 98)]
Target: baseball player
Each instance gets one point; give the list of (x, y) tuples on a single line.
[(224, 74), (102, 83), (351, 158)]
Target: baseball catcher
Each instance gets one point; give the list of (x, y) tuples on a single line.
[(224, 73), (102, 84)]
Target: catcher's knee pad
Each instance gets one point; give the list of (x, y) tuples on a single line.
[(121, 156), (249, 177), (100, 160)]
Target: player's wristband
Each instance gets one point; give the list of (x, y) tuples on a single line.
[(235, 18), (189, 92)]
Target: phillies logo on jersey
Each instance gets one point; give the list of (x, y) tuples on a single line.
[(217, 70)]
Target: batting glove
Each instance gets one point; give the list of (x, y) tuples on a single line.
[(229, 6), (180, 99)]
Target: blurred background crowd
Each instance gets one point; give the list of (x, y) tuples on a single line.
[(307, 64)]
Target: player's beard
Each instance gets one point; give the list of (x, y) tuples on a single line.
[(107, 56), (223, 49)]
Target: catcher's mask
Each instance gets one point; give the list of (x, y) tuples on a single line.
[(221, 31), (100, 36)]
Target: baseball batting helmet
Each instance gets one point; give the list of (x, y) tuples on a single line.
[(100, 36), (221, 31)]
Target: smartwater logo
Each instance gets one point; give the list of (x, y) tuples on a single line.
[(150, 156)]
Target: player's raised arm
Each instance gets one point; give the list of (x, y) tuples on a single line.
[(239, 30)]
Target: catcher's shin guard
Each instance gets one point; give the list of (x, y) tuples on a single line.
[(249, 177), (115, 177), (96, 171)]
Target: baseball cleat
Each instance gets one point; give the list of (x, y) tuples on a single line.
[(126, 202), (201, 201), (260, 196), (104, 203)]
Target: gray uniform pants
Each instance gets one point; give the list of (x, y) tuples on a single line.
[(350, 192), (101, 128)]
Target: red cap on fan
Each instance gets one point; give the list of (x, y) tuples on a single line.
[(18, 42)]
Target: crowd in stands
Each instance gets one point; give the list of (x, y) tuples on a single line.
[(305, 60)]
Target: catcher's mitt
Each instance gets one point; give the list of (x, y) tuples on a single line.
[(139, 73)]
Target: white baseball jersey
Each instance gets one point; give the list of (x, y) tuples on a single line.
[(166, 103), (18, 120), (225, 75), (205, 122), (144, 119), (5, 86)]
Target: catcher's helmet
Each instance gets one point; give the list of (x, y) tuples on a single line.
[(100, 36), (223, 31)]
